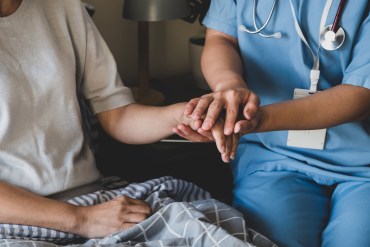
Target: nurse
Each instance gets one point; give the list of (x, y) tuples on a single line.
[(302, 167)]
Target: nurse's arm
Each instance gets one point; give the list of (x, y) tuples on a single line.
[(335, 106), (223, 70)]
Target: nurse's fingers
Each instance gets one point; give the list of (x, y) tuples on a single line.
[(190, 106), (203, 103), (225, 158), (231, 144), (232, 112), (228, 146), (220, 138), (235, 143), (251, 107), (214, 111)]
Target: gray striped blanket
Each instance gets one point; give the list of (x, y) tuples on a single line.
[(183, 215)]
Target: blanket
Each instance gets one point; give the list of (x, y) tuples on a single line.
[(183, 215)]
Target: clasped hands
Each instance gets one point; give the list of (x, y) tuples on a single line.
[(221, 116)]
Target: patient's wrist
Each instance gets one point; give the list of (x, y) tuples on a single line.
[(78, 220)]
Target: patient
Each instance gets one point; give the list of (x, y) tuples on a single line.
[(52, 56)]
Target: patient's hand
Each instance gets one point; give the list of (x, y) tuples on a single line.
[(118, 214), (189, 129), (226, 144)]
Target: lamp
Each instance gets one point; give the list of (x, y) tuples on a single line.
[(145, 11)]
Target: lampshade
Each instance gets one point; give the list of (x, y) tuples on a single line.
[(144, 12), (155, 10)]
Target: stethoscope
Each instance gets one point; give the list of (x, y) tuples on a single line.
[(331, 37), (276, 35)]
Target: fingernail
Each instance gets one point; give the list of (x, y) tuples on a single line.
[(247, 115), (206, 125), (182, 129), (198, 124)]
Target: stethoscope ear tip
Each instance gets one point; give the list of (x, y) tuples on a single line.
[(242, 28), (277, 35)]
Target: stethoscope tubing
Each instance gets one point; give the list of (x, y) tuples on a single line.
[(333, 41), (338, 16)]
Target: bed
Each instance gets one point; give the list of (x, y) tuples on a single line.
[(183, 215)]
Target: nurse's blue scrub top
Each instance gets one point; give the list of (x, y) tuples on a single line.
[(275, 67)]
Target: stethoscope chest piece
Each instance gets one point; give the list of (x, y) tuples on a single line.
[(331, 40)]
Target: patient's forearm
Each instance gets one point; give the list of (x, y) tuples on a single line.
[(140, 124), (19, 206)]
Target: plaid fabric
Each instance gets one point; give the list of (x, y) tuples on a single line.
[(183, 215)]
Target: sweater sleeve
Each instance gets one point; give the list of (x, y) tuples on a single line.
[(101, 84)]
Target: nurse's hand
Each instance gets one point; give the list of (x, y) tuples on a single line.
[(235, 102)]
